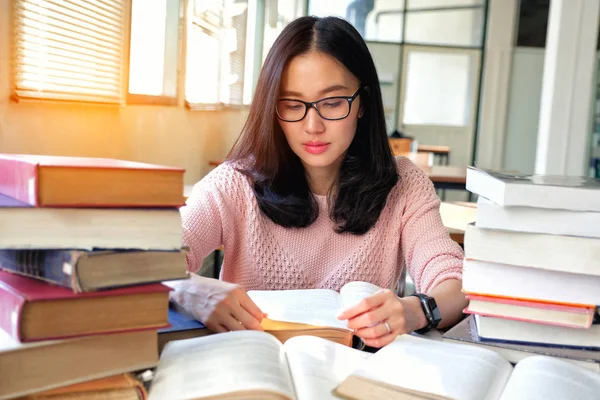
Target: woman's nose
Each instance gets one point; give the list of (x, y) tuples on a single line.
[(313, 123)]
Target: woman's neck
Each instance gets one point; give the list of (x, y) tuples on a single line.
[(321, 179)]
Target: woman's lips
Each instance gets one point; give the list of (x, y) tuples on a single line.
[(315, 147)]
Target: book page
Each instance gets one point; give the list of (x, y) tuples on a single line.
[(319, 365), (222, 363), (451, 370), (353, 292), (311, 306), (547, 378)]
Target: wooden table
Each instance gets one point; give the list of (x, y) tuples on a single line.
[(443, 152), (456, 216), (442, 176)]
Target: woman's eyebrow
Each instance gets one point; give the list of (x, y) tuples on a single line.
[(332, 88)]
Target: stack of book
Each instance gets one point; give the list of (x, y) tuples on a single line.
[(84, 245), (532, 266)]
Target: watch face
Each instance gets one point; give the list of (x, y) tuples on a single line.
[(434, 311)]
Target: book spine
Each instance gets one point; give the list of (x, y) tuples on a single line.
[(54, 266), (11, 310), (19, 180)]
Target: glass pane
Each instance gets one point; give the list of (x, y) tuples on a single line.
[(438, 88), (147, 48), (454, 28), (216, 46), (278, 14), (442, 3), (384, 22), (387, 61), (374, 19)]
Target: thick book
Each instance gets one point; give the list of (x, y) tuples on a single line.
[(511, 281), (547, 252), (537, 220), (33, 310), (465, 332), (181, 326), (511, 331), (252, 365), (35, 367), (416, 368), (26, 227), (116, 387), (542, 191), (88, 271), (54, 181), (532, 311), (311, 311)]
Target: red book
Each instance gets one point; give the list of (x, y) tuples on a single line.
[(54, 181), (34, 310), (573, 316)]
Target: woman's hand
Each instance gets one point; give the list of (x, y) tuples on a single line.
[(378, 319), (221, 306)]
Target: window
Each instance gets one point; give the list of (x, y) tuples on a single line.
[(154, 51), (216, 52), (279, 13), (70, 50)]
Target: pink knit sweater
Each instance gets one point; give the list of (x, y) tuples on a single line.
[(259, 254)]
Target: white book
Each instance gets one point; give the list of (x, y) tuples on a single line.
[(512, 331), (310, 311), (543, 191), (503, 280), (415, 368), (537, 220), (535, 250), (252, 365), (90, 228)]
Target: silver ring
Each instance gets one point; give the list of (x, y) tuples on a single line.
[(387, 326)]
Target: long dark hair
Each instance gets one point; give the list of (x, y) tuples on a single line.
[(368, 171)]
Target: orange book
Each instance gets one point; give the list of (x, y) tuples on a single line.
[(54, 181), (572, 316), (118, 387)]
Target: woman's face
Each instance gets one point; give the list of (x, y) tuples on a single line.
[(319, 143)]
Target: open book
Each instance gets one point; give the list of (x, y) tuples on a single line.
[(252, 365), (415, 368), (311, 311)]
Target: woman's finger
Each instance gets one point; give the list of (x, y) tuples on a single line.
[(248, 305), (365, 305), (231, 323), (369, 318), (374, 332), (381, 340), (245, 318)]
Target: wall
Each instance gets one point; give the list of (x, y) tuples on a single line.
[(523, 110), (156, 134)]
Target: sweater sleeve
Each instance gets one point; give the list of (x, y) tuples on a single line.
[(429, 254), (202, 219)]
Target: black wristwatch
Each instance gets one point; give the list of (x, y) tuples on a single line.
[(431, 311)]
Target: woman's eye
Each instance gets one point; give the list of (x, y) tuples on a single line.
[(293, 107), (332, 104)]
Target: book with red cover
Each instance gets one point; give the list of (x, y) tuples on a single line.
[(55, 181), (573, 316), (34, 310)]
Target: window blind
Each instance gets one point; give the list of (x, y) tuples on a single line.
[(70, 50)]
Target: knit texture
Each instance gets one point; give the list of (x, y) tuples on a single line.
[(261, 255)]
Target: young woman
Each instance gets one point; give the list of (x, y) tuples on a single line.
[(311, 197)]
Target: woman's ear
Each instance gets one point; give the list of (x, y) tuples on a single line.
[(360, 112)]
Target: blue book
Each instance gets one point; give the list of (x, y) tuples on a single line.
[(183, 326), (87, 271)]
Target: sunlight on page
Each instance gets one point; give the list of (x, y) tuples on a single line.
[(545, 378), (319, 365), (236, 361), (454, 371), (314, 306)]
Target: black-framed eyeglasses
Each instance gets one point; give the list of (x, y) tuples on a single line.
[(329, 108)]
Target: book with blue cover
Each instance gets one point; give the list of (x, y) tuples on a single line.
[(88, 271)]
